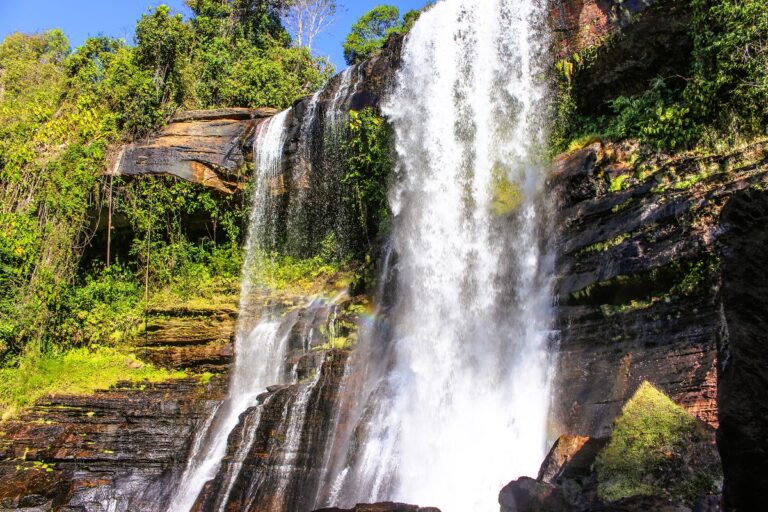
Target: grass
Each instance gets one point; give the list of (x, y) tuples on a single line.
[(283, 273), (75, 372)]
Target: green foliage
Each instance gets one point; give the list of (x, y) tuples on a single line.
[(724, 95), (371, 31), (648, 440), (72, 372), (369, 166), (62, 112), (242, 57), (729, 87), (284, 273), (106, 307), (276, 76), (164, 253), (506, 196), (54, 134)]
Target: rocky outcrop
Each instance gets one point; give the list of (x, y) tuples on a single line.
[(652, 285), (197, 340), (743, 379), (115, 450), (276, 455), (208, 147), (382, 507), (615, 48), (582, 24), (122, 449)]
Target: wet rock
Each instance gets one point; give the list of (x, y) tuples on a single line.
[(381, 507), (275, 456), (113, 450), (638, 281), (571, 457), (743, 378), (529, 495)]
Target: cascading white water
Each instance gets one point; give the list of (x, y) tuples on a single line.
[(463, 409), (262, 342)]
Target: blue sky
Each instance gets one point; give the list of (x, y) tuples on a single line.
[(80, 19)]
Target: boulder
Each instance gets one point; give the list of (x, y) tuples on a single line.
[(570, 457), (529, 495), (381, 507)]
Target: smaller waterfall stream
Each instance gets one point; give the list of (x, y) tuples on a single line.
[(263, 342)]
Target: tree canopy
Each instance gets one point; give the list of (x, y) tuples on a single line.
[(62, 112)]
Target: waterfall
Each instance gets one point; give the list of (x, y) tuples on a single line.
[(256, 339), (462, 408)]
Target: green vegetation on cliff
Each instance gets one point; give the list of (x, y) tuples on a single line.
[(63, 114), (76, 371), (720, 98)]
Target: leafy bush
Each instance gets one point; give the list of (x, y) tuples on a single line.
[(294, 275), (729, 87), (106, 308), (369, 166), (370, 31), (723, 96)]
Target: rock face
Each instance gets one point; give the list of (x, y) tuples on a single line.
[(115, 450), (202, 146), (742, 406), (652, 285), (648, 39), (382, 507), (124, 448)]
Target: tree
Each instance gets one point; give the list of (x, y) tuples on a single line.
[(308, 18), (370, 32), (163, 44)]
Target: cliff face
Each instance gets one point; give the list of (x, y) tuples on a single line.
[(124, 448), (208, 147), (659, 281)]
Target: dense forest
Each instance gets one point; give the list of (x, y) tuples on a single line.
[(63, 115)]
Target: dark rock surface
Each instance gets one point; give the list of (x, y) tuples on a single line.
[(743, 380), (276, 454), (623, 45), (659, 279), (381, 507), (115, 450), (638, 291), (529, 495), (571, 457), (203, 146)]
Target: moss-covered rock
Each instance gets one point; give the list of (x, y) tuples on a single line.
[(658, 449)]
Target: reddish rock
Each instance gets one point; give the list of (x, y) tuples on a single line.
[(202, 146), (570, 457)]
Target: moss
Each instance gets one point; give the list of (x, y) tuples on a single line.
[(79, 371), (618, 183), (646, 446), (507, 197), (604, 246)]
